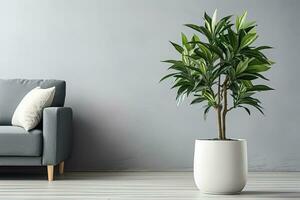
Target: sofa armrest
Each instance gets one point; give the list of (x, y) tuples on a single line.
[(57, 134)]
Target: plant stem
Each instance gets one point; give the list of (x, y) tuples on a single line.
[(225, 109), (219, 109)]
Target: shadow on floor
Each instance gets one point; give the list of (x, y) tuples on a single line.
[(31, 175), (272, 194), (22, 176)]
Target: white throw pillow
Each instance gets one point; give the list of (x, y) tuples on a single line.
[(28, 114)]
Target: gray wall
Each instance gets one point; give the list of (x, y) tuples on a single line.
[(109, 53)]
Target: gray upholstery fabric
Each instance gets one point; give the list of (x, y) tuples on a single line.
[(15, 141), (13, 90), (20, 161), (57, 134), (36, 147)]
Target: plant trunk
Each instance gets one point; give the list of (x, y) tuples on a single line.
[(224, 124), (219, 109), (225, 109)]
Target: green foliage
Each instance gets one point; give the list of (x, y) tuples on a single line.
[(220, 58)]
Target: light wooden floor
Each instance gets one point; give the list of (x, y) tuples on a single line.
[(140, 185)]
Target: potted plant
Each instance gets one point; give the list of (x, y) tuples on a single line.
[(219, 69)]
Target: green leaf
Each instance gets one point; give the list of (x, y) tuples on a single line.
[(184, 39), (178, 65), (177, 47), (180, 83), (181, 90), (233, 39), (202, 68), (200, 86), (237, 23), (207, 18), (201, 55), (206, 110), (257, 68), (240, 21), (194, 68), (208, 26), (198, 100), (243, 18), (226, 18), (214, 20), (243, 65), (195, 39), (206, 32), (250, 29), (195, 27), (173, 61), (246, 109), (185, 42), (201, 29), (246, 94), (216, 50), (259, 109), (220, 26), (223, 25), (260, 76), (260, 88), (179, 68), (255, 105), (246, 83), (251, 101), (263, 48), (247, 76), (248, 39), (180, 98), (205, 50), (248, 24), (210, 98), (167, 76), (183, 76), (260, 58)]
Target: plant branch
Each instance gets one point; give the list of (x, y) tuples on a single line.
[(219, 108), (225, 110), (229, 109)]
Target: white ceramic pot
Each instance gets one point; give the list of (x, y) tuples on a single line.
[(220, 166)]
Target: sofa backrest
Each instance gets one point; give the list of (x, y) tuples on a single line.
[(12, 92)]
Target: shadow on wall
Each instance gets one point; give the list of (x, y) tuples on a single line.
[(97, 144)]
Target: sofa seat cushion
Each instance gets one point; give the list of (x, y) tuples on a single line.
[(15, 141)]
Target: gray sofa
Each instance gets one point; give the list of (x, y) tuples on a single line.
[(49, 144)]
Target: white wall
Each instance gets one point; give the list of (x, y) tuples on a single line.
[(109, 52)]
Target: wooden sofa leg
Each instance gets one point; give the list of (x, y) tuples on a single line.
[(50, 170), (61, 167)]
